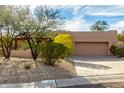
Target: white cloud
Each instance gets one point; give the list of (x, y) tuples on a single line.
[(76, 24), (99, 10), (96, 10), (76, 10), (105, 10), (118, 25), (107, 14)]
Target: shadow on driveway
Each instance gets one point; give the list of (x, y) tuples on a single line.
[(90, 65)]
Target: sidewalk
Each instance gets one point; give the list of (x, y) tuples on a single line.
[(90, 80), (68, 82), (41, 84)]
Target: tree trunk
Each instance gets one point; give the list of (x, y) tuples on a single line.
[(33, 52), (6, 49)]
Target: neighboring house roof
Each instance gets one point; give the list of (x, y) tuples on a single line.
[(22, 36)]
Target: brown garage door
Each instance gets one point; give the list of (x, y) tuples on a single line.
[(90, 49)]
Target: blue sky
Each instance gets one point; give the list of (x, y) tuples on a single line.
[(81, 17)]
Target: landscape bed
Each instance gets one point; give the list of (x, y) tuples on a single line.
[(14, 71)]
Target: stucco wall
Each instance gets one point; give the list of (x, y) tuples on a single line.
[(21, 53), (110, 37)]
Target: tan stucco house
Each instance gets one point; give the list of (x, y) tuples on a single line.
[(93, 43), (85, 43)]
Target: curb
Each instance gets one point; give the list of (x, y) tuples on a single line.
[(59, 83)]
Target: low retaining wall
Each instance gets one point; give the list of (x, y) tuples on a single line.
[(21, 53)]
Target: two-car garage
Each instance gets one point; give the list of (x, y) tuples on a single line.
[(93, 43), (91, 48)]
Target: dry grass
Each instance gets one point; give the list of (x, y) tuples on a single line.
[(13, 71)]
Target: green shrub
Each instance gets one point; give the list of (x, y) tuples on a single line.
[(113, 50), (116, 51), (52, 52), (120, 52)]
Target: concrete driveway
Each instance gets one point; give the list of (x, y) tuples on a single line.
[(100, 68)]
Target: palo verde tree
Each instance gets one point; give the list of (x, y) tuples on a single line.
[(99, 26), (8, 28), (38, 26)]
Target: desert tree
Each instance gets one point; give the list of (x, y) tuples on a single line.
[(38, 26), (9, 27), (100, 26)]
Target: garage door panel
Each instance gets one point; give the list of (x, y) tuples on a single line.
[(84, 49)]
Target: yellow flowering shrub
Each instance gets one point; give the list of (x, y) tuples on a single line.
[(66, 40)]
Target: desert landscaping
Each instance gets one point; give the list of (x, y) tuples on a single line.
[(15, 71)]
